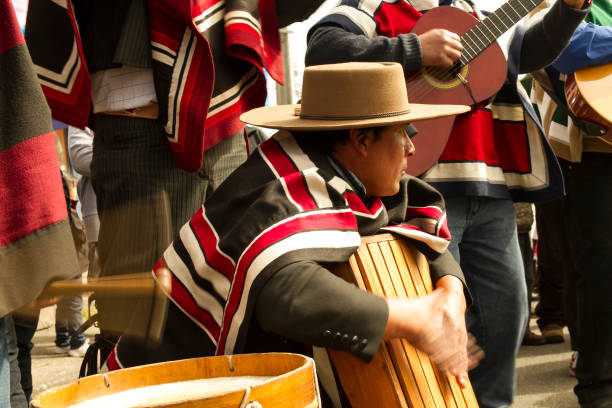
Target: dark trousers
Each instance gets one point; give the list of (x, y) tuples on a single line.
[(25, 327), (589, 215), (17, 396), (524, 241), (554, 262), (143, 199)]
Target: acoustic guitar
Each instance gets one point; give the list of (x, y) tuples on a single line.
[(476, 76), (587, 92)]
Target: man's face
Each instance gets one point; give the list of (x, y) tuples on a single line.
[(386, 161)]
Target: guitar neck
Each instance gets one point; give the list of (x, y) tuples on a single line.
[(483, 34)]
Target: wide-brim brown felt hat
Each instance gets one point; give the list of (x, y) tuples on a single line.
[(349, 95)]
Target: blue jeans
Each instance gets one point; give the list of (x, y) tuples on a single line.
[(5, 371), (484, 242)]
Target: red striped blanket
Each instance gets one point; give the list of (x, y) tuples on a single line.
[(35, 240), (208, 64)]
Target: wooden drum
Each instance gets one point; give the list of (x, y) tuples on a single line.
[(399, 375), (241, 381)]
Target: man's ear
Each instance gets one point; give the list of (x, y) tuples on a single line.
[(359, 139)]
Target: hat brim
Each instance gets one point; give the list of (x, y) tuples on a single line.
[(284, 117)]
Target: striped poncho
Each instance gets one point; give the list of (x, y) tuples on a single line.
[(35, 240), (208, 66), (284, 204)]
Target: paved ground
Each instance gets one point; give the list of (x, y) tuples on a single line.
[(48, 368), (543, 380)]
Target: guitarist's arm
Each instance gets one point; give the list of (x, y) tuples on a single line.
[(435, 47), (590, 45), (548, 36), (349, 46)]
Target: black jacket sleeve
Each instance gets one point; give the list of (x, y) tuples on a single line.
[(305, 302), (347, 47), (546, 38)]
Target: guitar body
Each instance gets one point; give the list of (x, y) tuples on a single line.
[(588, 91), (485, 74)]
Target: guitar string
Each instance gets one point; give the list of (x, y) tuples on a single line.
[(471, 48)]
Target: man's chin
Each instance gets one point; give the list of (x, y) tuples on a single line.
[(390, 191)]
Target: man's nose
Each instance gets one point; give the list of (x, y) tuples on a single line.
[(410, 148)]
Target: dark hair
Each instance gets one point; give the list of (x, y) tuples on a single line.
[(326, 140)]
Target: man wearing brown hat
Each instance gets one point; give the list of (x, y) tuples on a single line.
[(246, 270)]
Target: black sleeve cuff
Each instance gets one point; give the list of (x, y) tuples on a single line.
[(305, 302)]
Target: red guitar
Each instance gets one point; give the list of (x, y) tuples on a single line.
[(476, 76)]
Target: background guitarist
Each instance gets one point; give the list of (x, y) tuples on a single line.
[(587, 167), (487, 163)]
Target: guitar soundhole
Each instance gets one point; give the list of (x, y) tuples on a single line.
[(445, 78)]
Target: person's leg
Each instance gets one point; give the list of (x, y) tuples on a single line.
[(491, 261), (524, 240), (219, 162), (553, 261), (18, 399), (222, 159), (589, 200), (75, 320), (143, 199), (5, 371), (62, 337), (25, 327)]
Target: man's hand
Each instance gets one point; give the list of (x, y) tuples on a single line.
[(440, 47), (435, 324)]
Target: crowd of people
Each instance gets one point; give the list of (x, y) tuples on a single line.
[(157, 95)]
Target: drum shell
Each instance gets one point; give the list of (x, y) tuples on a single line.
[(294, 384)]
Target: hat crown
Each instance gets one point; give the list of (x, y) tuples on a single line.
[(350, 95), (354, 90)]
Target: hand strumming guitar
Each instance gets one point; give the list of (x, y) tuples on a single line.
[(440, 47)]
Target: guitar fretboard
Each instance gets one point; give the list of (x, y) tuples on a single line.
[(483, 34)]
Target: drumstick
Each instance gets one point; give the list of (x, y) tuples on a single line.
[(129, 284), (137, 285)]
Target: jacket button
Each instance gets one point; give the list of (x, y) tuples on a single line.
[(354, 341), (327, 333), (345, 339), (363, 343)]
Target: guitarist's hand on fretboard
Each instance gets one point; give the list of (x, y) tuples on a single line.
[(440, 47)]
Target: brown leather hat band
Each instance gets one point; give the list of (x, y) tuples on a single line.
[(360, 117)]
